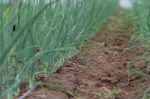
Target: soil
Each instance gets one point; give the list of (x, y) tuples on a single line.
[(100, 69)]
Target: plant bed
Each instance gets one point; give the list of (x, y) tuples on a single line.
[(100, 69)]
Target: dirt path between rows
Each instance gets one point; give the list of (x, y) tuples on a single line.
[(99, 70)]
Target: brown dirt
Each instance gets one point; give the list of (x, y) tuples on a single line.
[(100, 69)]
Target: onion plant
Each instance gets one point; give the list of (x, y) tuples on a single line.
[(37, 36), (141, 38)]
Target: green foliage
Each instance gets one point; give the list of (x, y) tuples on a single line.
[(141, 38), (46, 34)]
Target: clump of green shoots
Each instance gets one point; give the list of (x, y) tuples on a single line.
[(37, 37), (141, 39)]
